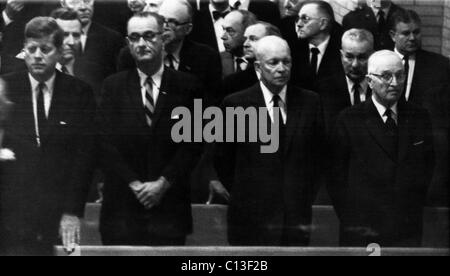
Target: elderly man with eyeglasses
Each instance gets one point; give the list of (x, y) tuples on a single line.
[(382, 162)]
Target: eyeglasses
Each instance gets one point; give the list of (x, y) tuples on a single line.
[(305, 19), (79, 3), (389, 77), (147, 36), (174, 23)]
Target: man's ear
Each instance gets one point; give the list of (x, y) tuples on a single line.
[(63, 3), (257, 66), (325, 24), (392, 35), (189, 28), (369, 81)]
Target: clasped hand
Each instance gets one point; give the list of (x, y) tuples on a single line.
[(150, 194)]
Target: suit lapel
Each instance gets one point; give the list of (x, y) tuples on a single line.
[(375, 126), (184, 57), (294, 115), (163, 96), (135, 94), (404, 133), (24, 108)]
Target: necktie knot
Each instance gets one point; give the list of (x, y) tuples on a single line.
[(276, 100), (236, 5), (315, 51), (170, 60), (388, 113), (381, 14)]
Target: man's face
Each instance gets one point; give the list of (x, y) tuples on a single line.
[(233, 36), (145, 39), (291, 7), (310, 22), (84, 8), (407, 37), (41, 56), (72, 38), (274, 65), (380, 4), (387, 80), (144, 5), (177, 22), (251, 36), (355, 56)]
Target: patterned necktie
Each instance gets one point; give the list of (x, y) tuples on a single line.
[(149, 107), (170, 61)]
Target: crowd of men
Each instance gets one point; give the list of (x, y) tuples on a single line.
[(360, 108)]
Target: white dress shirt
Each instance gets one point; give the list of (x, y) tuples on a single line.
[(244, 4), (69, 66), (6, 18), (412, 68), (382, 110), (377, 10), (322, 48), (363, 86), (268, 99), (218, 28), (48, 96), (156, 80)]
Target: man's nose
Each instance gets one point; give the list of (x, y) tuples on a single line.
[(70, 40), (38, 53)]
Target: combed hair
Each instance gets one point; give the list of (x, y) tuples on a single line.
[(40, 27), (64, 14), (404, 16), (323, 6), (359, 35), (271, 30), (159, 19), (248, 19)]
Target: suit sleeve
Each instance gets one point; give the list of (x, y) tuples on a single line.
[(110, 158), (83, 159), (340, 156)]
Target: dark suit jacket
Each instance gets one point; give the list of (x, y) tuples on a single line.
[(10, 64), (51, 180), (335, 97), (364, 18), (196, 59), (113, 15), (133, 151), (239, 81), (272, 194), (302, 73), (102, 47), (375, 190), (90, 72), (203, 30)]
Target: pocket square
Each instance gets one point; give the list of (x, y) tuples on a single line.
[(176, 117), (419, 143), (62, 123)]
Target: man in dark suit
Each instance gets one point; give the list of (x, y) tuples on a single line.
[(317, 54), (146, 198), (272, 193), (50, 131), (428, 75), (348, 86), (373, 17), (383, 163), (72, 63), (100, 45), (234, 26), (264, 10), (245, 79)]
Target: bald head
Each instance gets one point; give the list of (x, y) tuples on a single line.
[(273, 62), (383, 59)]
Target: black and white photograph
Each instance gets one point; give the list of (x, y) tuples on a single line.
[(224, 128)]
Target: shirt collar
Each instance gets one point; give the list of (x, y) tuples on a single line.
[(413, 56), (70, 64), (322, 47), (268, 96), (86, 28), (156, 78), (382, 109), (176, 54), (50, 84), (213, 9), (385, 10)]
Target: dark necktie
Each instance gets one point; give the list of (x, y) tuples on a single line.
[(356, 94), (236, 6), (42, 118), (170, 61), (239, 63), (392, 133), (65, 70), (149, 107), (277, 102), (217, 15), (381, 21), (314, 60), (406, 59)]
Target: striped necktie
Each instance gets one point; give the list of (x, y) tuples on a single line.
[(149, 107)]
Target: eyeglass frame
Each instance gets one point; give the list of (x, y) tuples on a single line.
[(381, 77), (175, 23), (142, 36), (308, 18)]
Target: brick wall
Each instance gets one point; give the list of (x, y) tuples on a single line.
[(435, 15)]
